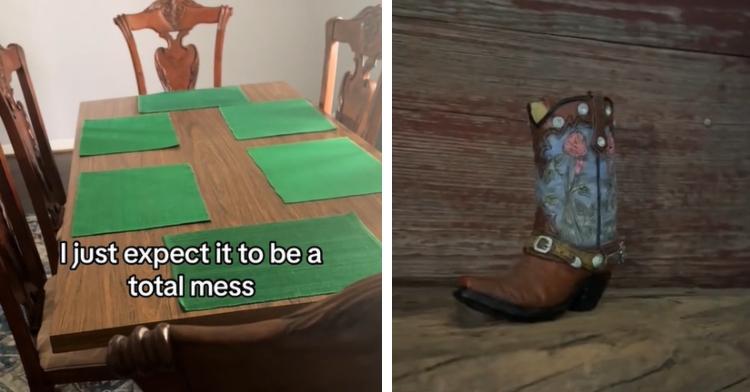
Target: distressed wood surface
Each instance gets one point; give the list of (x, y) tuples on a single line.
[(462, 158), (697, 25), (673, 340)]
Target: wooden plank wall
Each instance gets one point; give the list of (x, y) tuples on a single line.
[(463, 71)]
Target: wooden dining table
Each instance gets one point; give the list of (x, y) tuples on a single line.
[(93, 303)]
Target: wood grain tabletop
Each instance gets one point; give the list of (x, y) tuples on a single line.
[(93, 302)]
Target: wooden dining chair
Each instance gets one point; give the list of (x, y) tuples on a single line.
[(28, 136), (27, 298), (331, 346), (359, 104), (176, 65)]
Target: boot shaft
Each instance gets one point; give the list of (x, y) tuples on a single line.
[(574, 155)]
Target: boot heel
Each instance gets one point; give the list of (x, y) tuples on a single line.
[(591, 292)]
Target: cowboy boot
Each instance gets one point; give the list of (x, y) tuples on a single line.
[(567, 261)]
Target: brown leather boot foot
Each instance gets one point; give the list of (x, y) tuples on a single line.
[(505, 310), (534, 290), (584, 299)]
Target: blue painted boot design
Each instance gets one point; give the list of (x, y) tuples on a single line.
[(567, 261)]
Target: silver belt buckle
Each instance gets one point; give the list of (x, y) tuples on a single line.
[(543, 244)]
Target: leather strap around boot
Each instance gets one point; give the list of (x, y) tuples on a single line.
[(549, 247)]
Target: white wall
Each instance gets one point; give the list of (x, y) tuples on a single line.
[(76, 53)]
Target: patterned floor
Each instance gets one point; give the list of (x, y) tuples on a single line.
[(12, 376)]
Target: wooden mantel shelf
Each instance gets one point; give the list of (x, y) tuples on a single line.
[(667, 340)]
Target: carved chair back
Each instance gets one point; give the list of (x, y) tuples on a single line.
[(23, 297), (28, 137), (359, 104), (22, 276), (332, 346), (176, 65)]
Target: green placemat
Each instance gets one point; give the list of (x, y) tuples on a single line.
[(349, 253), (127, 134), (278, 118), (191, 99), (319, 170), (136, 199)]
